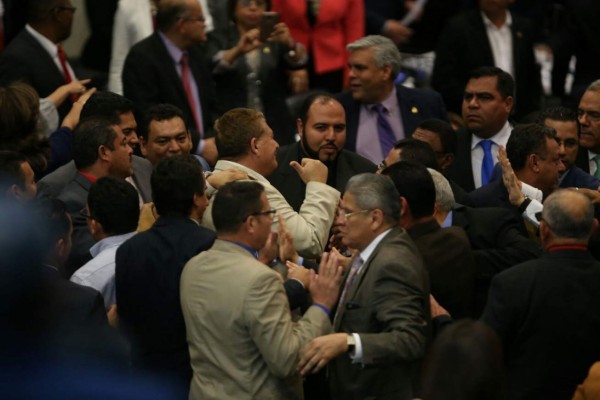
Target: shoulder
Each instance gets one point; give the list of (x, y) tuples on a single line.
[(345, 98), (358, 162), (417, 94)]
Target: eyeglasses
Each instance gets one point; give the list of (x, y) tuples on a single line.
[(345, 215), (83, 212), (70, 9), (190, 19), (270, 212)]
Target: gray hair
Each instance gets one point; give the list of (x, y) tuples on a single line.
[(385, 51), (444, 197), (594, 86), (569, 214), (372, 191)]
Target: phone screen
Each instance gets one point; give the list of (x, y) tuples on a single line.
[(267, 24)]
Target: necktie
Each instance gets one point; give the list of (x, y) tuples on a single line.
[(488, 161), (187, 87), (597, 161), (62, 57), (354, 268), (387, 139)]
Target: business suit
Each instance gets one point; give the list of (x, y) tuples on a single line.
[(150, 77), (309, 227), (461, 170), (576, 177), (147, 272), (387, 304), (448, 258), (464, 46), (25, 59), (416, 105), (544, 311), (291, 186), (243, 343)]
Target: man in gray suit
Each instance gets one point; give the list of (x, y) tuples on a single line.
[(243, 343), (381, 318)]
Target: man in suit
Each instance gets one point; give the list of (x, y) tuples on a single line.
[(382, 315), (379, 112), (148, 269), (35, 55), (564, 121), (106, 105), (588, 115), (322, 130), (486, 106), (245, 142), (170, 67), (243, 343), (446, 253), (541, 309), (489, 35), (17, 179)]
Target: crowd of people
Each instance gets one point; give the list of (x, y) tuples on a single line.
[(300, 199)]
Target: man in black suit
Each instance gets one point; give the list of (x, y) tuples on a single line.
[(489, 35), (446, 253), (149, 265), (322, 130), (169, 66), (486, 106), (544, 310), (588, 158), (379, 112), (33, 55)]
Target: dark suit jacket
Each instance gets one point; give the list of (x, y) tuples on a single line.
[(583, 160), (289, 184), (147, 272), (576, 177), (26, 60), (449, 260), (545, 312), (464, 46), (150, 77), (388, 306), (461, 170), (427, 103)]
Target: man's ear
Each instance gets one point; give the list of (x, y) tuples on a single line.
[(61, 248), (300, 127), (14, 192), (532, 162), (143, 145), (104, 153), (94, 226), (509, 103), (254, 146), (387, 72), (404, 205)]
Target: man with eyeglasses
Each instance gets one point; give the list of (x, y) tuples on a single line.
[(36, 56), (588, 115), (169, 66)]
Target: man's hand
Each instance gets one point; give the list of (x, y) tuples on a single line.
[(72, 118), (220, 178), (343, 261), (112, 316), (298, 272), (310, 170), (510, 180), (320, 351), (325, 287), (268, 253), (209, 152), (287, 250), (397, 32), (436, 309), (248, 41)]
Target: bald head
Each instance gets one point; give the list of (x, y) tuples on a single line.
[(568, 215)]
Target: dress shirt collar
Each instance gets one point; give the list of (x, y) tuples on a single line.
[(174, 51), (366, 253), (500, 138), (224, 165), (111, 241), (490, 25), (390, 103), (245, 247), (447, 222), (46, 43)]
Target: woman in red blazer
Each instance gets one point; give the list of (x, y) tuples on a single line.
[(325, 35)]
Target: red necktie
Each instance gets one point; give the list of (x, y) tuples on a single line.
[(187, 86), (63, 63)]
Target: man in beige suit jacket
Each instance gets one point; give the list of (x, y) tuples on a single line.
[(243, 343), (245, 142)]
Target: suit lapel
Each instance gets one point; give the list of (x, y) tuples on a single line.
[(352, 127), (44, 57), (408, 111), (169, 68)]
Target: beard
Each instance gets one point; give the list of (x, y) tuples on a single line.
[(315, 154)]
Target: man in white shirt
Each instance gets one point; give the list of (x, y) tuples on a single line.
[(588, 115)]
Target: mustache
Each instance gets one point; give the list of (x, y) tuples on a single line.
[(329, 144)]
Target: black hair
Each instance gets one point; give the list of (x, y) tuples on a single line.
[(89, 135), (107, 105), (443, 130), (11, 172), (505, 84), (159, 112), (415, 184), (114, 203), (525, 140), (234, 202), (417, 151)]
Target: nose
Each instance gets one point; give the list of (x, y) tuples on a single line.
[(330, 134), (582, 118), (174, 147), (473, 102)]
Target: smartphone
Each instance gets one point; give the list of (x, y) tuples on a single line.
[(267, 24)]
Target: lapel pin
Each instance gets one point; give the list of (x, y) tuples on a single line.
[(519, 35), (266, 50), (414, 110)]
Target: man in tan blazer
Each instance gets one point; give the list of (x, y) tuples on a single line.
[(243, 343)]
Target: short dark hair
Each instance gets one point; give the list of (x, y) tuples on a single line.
[(39, 10), (417, 151), (168, 12), (505, 84), (415, 184), (159, 112), (11, 172), (57, 222), (557, 113), (174, 182), (20, 106), (234, 202), (235, 129), (89, 135), (114, 203), (525, 140), (322, 97), (231, 4), (106, 105), (443, 130)]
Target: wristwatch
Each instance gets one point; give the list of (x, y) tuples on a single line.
[(351, 343)]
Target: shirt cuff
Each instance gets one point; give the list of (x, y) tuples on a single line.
[(531, 192), (357, 356), (532, 209)]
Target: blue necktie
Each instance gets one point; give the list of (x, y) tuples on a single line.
[(488, 161), (387, 139)]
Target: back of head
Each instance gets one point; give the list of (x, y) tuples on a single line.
[(39, 10), (89, 135), (557, 113), (235, 129), (414, 183), (174, 182), (106, 105), (416, 151), (20, 104), (525, 140), (569, 215), (464, 363), (11, 172), (114, 203), (505, 84), (168, 12), (443, 130), (159, 112), (444, 197), (372, 191), (385, 52), (234, 202), (57, 222)]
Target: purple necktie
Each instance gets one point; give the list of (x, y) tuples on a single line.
[(487, 165), (356, 264), (387, 139)]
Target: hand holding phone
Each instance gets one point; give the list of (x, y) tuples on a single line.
[(267, 24)]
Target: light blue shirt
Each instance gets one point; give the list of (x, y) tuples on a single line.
[(99, 272)]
